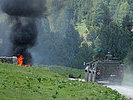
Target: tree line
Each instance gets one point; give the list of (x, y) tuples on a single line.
[(108, 25)]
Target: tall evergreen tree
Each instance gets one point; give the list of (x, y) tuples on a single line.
[(127, 23), (85, 54), (71, 45), (114, 39), (106, 16)]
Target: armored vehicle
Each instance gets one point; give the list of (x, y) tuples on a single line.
[(104, 71), (10, 60)]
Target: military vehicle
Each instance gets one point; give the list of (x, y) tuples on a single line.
[(10, 60), (105, 71)]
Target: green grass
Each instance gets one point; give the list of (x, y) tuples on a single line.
[(23, 83), (64, 71)]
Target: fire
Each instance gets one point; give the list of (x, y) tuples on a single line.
[(27, 65), (20, 60)]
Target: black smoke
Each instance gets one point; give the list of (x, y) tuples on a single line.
[(23, 36), (25, 8), (23, 15)]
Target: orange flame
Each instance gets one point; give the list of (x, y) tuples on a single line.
[(20, 60)]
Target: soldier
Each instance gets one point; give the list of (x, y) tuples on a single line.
[(71, 76), (90, 72), (109, 56), (87, 73), (99, 55)]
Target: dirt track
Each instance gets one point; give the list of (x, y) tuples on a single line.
[(125, 90)]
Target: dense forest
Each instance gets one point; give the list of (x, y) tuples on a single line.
[(75, 30)]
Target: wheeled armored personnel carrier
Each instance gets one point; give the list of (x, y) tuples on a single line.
[(108, 71), (10, 60)]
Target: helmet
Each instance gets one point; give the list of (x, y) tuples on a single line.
[(100, 50)]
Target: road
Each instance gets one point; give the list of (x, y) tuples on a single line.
[(125, 90)]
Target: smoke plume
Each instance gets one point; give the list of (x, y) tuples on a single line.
[(25, 8), (23, 14)]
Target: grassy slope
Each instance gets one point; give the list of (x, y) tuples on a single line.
[(22, 83), (64, 71)]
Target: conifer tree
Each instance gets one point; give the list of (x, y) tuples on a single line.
[(127, 23)]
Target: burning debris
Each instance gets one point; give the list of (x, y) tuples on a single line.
[(10, 60), (23, 14)]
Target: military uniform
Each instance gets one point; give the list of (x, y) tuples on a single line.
[(109, 56), (90, 73)]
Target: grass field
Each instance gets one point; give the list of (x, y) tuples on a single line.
[(35, 83), (64, 71)]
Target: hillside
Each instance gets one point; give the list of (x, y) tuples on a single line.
[(74, 31), (34, 83)]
